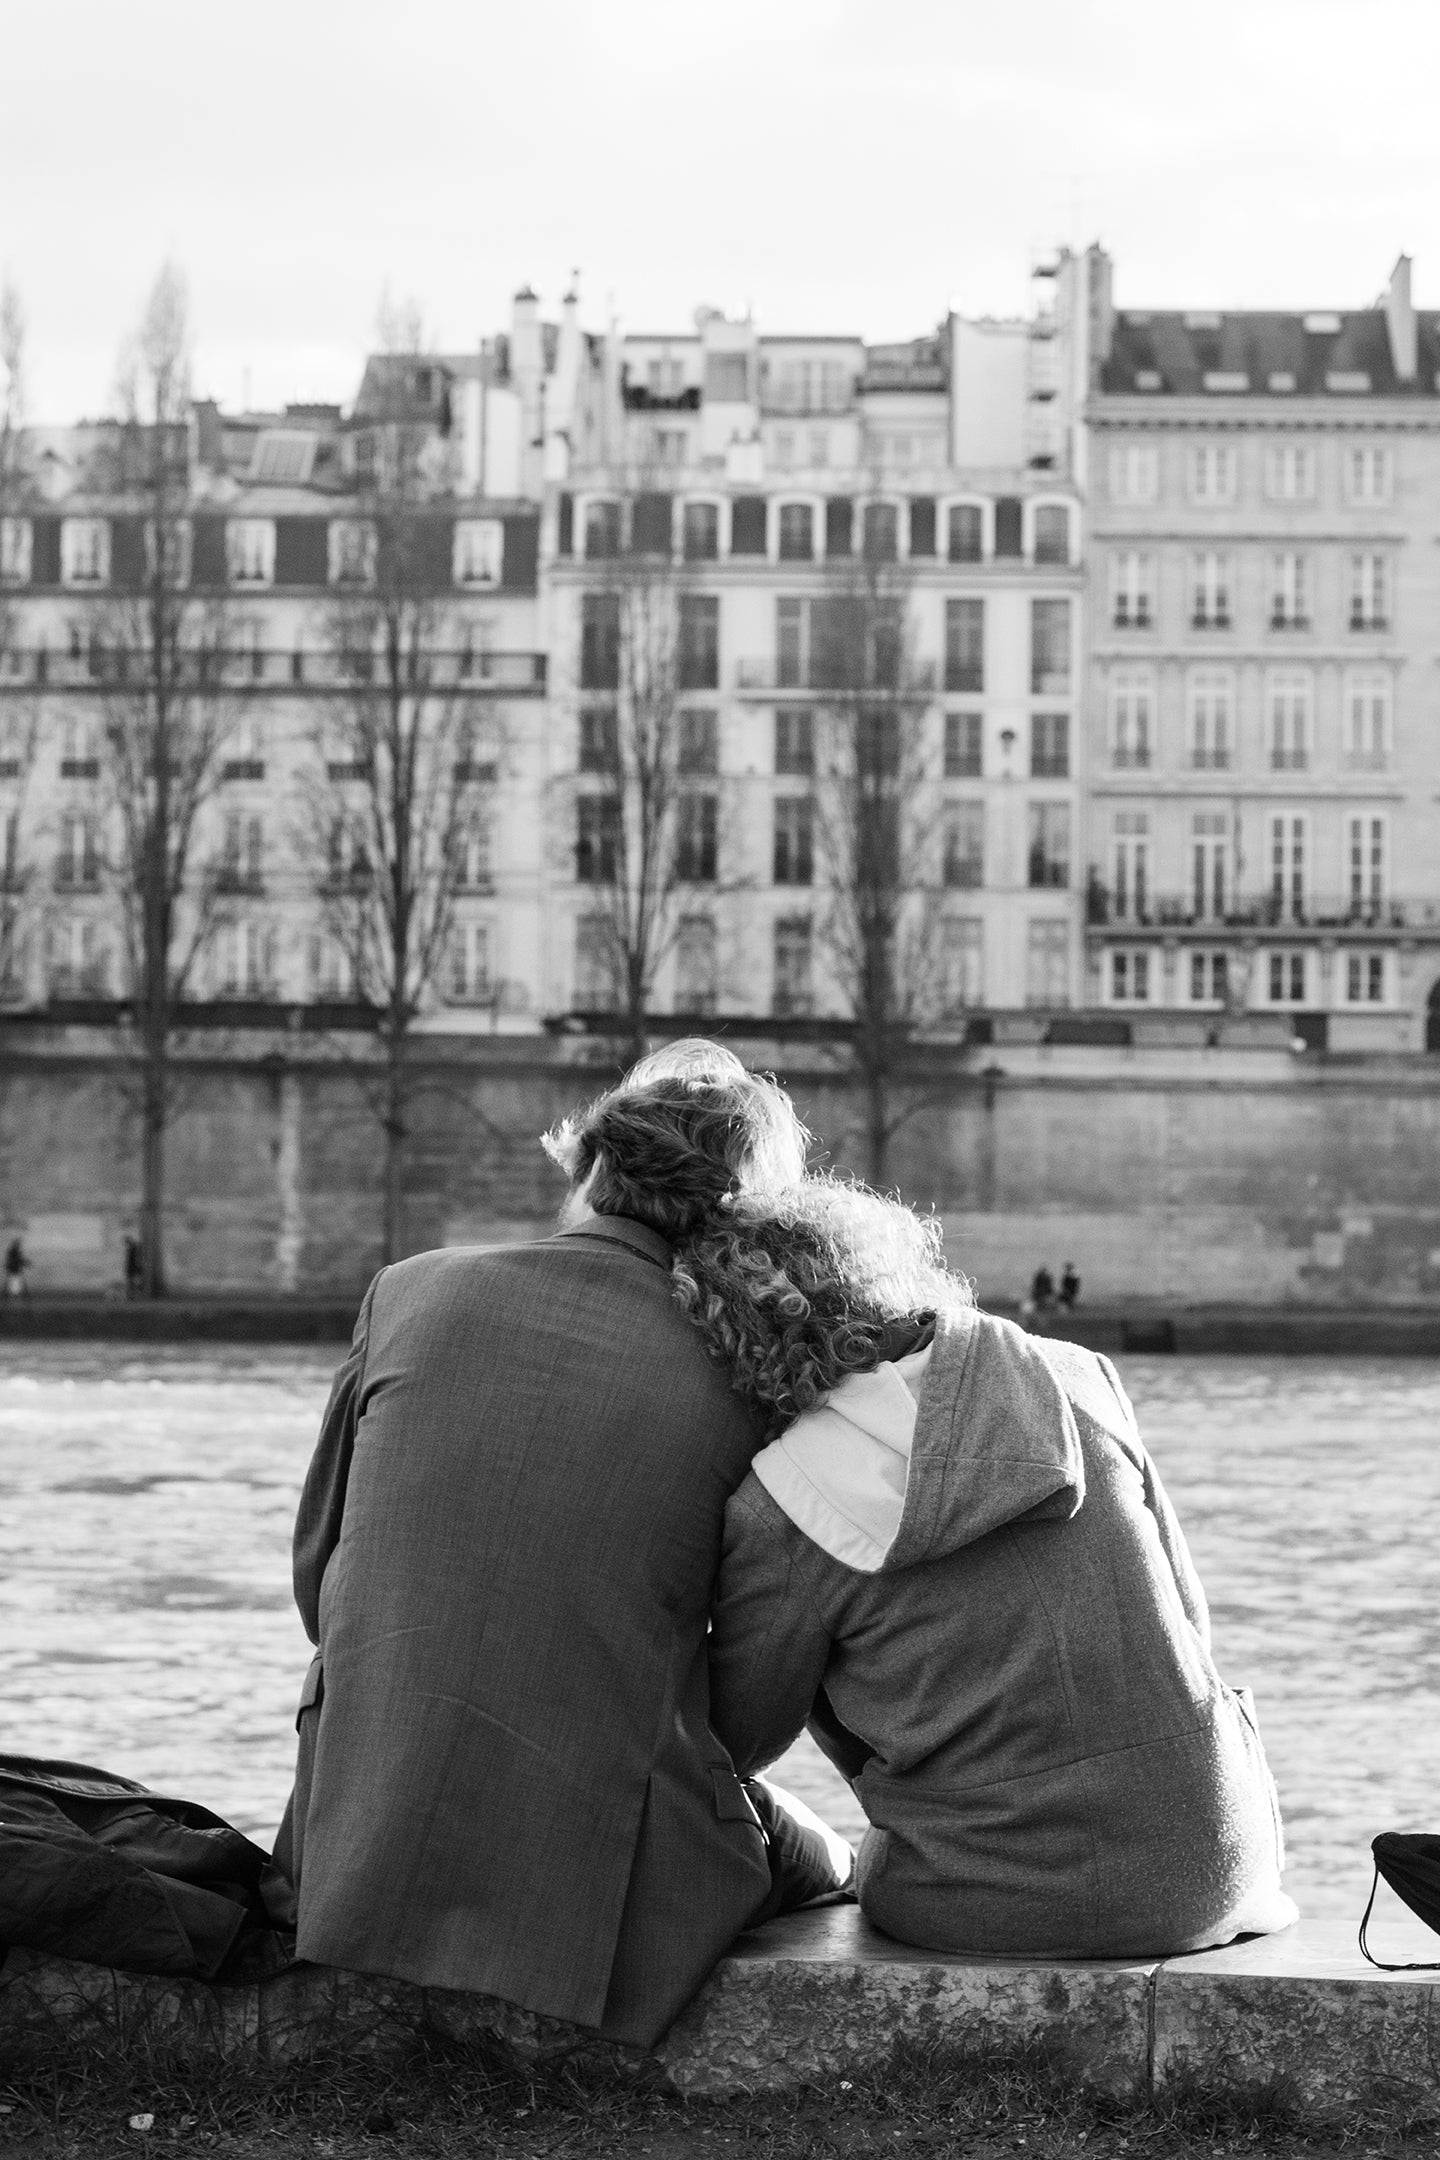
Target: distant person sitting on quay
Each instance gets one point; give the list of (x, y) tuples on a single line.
[(134, 1266), (17, 1262), (1041, 1301), (1069, 1287)]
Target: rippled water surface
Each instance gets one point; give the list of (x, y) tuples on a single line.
[(146, 1504)]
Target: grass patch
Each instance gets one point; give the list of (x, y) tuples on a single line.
[(464, 2104)]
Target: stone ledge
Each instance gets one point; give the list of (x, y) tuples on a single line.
[(821, 1994)]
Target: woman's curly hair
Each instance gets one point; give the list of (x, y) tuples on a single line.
[(796, 1287)]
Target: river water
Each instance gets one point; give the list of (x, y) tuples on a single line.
[(146, 1504)]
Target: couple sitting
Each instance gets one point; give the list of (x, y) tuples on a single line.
[(597, 1526)]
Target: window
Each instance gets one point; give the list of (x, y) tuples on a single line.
[(1289, 866), (245, 959), (79, 963), (696, 969), (80, 749), (473, 857), (701, 524), (791, 644), (1209, 978), (1288, 699), (696, 823), (782, 449), (1052, 533), (1285, 978), (332, 972), (794, 853), (966, 530), (1369, 592), (351, 551), (817, 644), (1366, 851), (1209, 865), (469, 963), (819, 447), (963, 861), (1049, 850), (797, 532), (1212, 473), (1211, 693), (962, 963), (1134, 473), (965, 645), (1130, 866), (1211, 587), (881, 532), (1130, 976), (599, 739), (793, 995), (1132, 592), (1367, 720), (963, 753), (242, 863), (479, 551), (670, 446), (15, 550), (1289, 591), (84, 551), (597, 839), (600, 641), (794, 742), (1365, 978), (1049, 648), (77, 865), (1290, 472), (698, 747), (1047, 962), (1132, 718), (595, 964), (1049, 746), (1368, 475), (699, 642), (250, 551), (602, 531)]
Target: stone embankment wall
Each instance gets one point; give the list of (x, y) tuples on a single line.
[(1240, 1176)]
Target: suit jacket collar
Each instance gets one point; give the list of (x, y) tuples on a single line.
[(623, 1230)]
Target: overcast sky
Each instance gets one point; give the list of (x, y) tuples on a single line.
[(830, 164)]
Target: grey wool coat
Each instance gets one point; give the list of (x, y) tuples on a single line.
[(506, 1551), (1022, 1690)]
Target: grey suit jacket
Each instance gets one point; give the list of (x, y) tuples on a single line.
[(505, 1551)]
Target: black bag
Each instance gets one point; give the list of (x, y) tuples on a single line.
[(1410, 1863)]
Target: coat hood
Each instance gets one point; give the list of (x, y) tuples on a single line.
[(923, 1456)]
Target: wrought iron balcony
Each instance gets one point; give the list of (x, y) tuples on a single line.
[(1283, 913)]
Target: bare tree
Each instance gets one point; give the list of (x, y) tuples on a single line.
[(875, 805), (157, 649), (19, 713), (397, 817), (649, 833)]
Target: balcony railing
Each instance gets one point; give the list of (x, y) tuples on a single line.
[(919, 679), (1283, 912), (316, 668)]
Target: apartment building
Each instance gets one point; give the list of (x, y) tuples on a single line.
[(1264, 754), (765, 478), (278, 538)]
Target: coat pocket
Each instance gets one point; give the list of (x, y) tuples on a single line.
[(312, 1689)]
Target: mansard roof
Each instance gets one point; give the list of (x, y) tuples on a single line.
[(1320, 353)]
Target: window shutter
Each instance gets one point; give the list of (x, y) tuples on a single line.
[(302, 551), (520, 567), (433, 554), (45, 551), (1007, 525), (839, 525), (565, 538), (747, 525), (207, 552), (127, 553), (922, 525)]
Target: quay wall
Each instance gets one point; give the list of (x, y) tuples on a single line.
[(1235, 1176)]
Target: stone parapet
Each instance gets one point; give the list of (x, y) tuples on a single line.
[(820, 1995)]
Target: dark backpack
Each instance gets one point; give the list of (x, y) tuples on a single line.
[(1409, 1860)]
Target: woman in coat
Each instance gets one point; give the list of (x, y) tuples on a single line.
[(956, 1562)]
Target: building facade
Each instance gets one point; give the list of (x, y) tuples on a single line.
[(1264, 750)]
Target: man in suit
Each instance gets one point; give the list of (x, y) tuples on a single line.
[(505, 1553)]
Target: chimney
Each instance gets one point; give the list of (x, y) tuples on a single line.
[(525, 352), (206, 416), (1400, 322)]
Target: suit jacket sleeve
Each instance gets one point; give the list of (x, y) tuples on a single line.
[(322, 1498), (769, 1644)]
